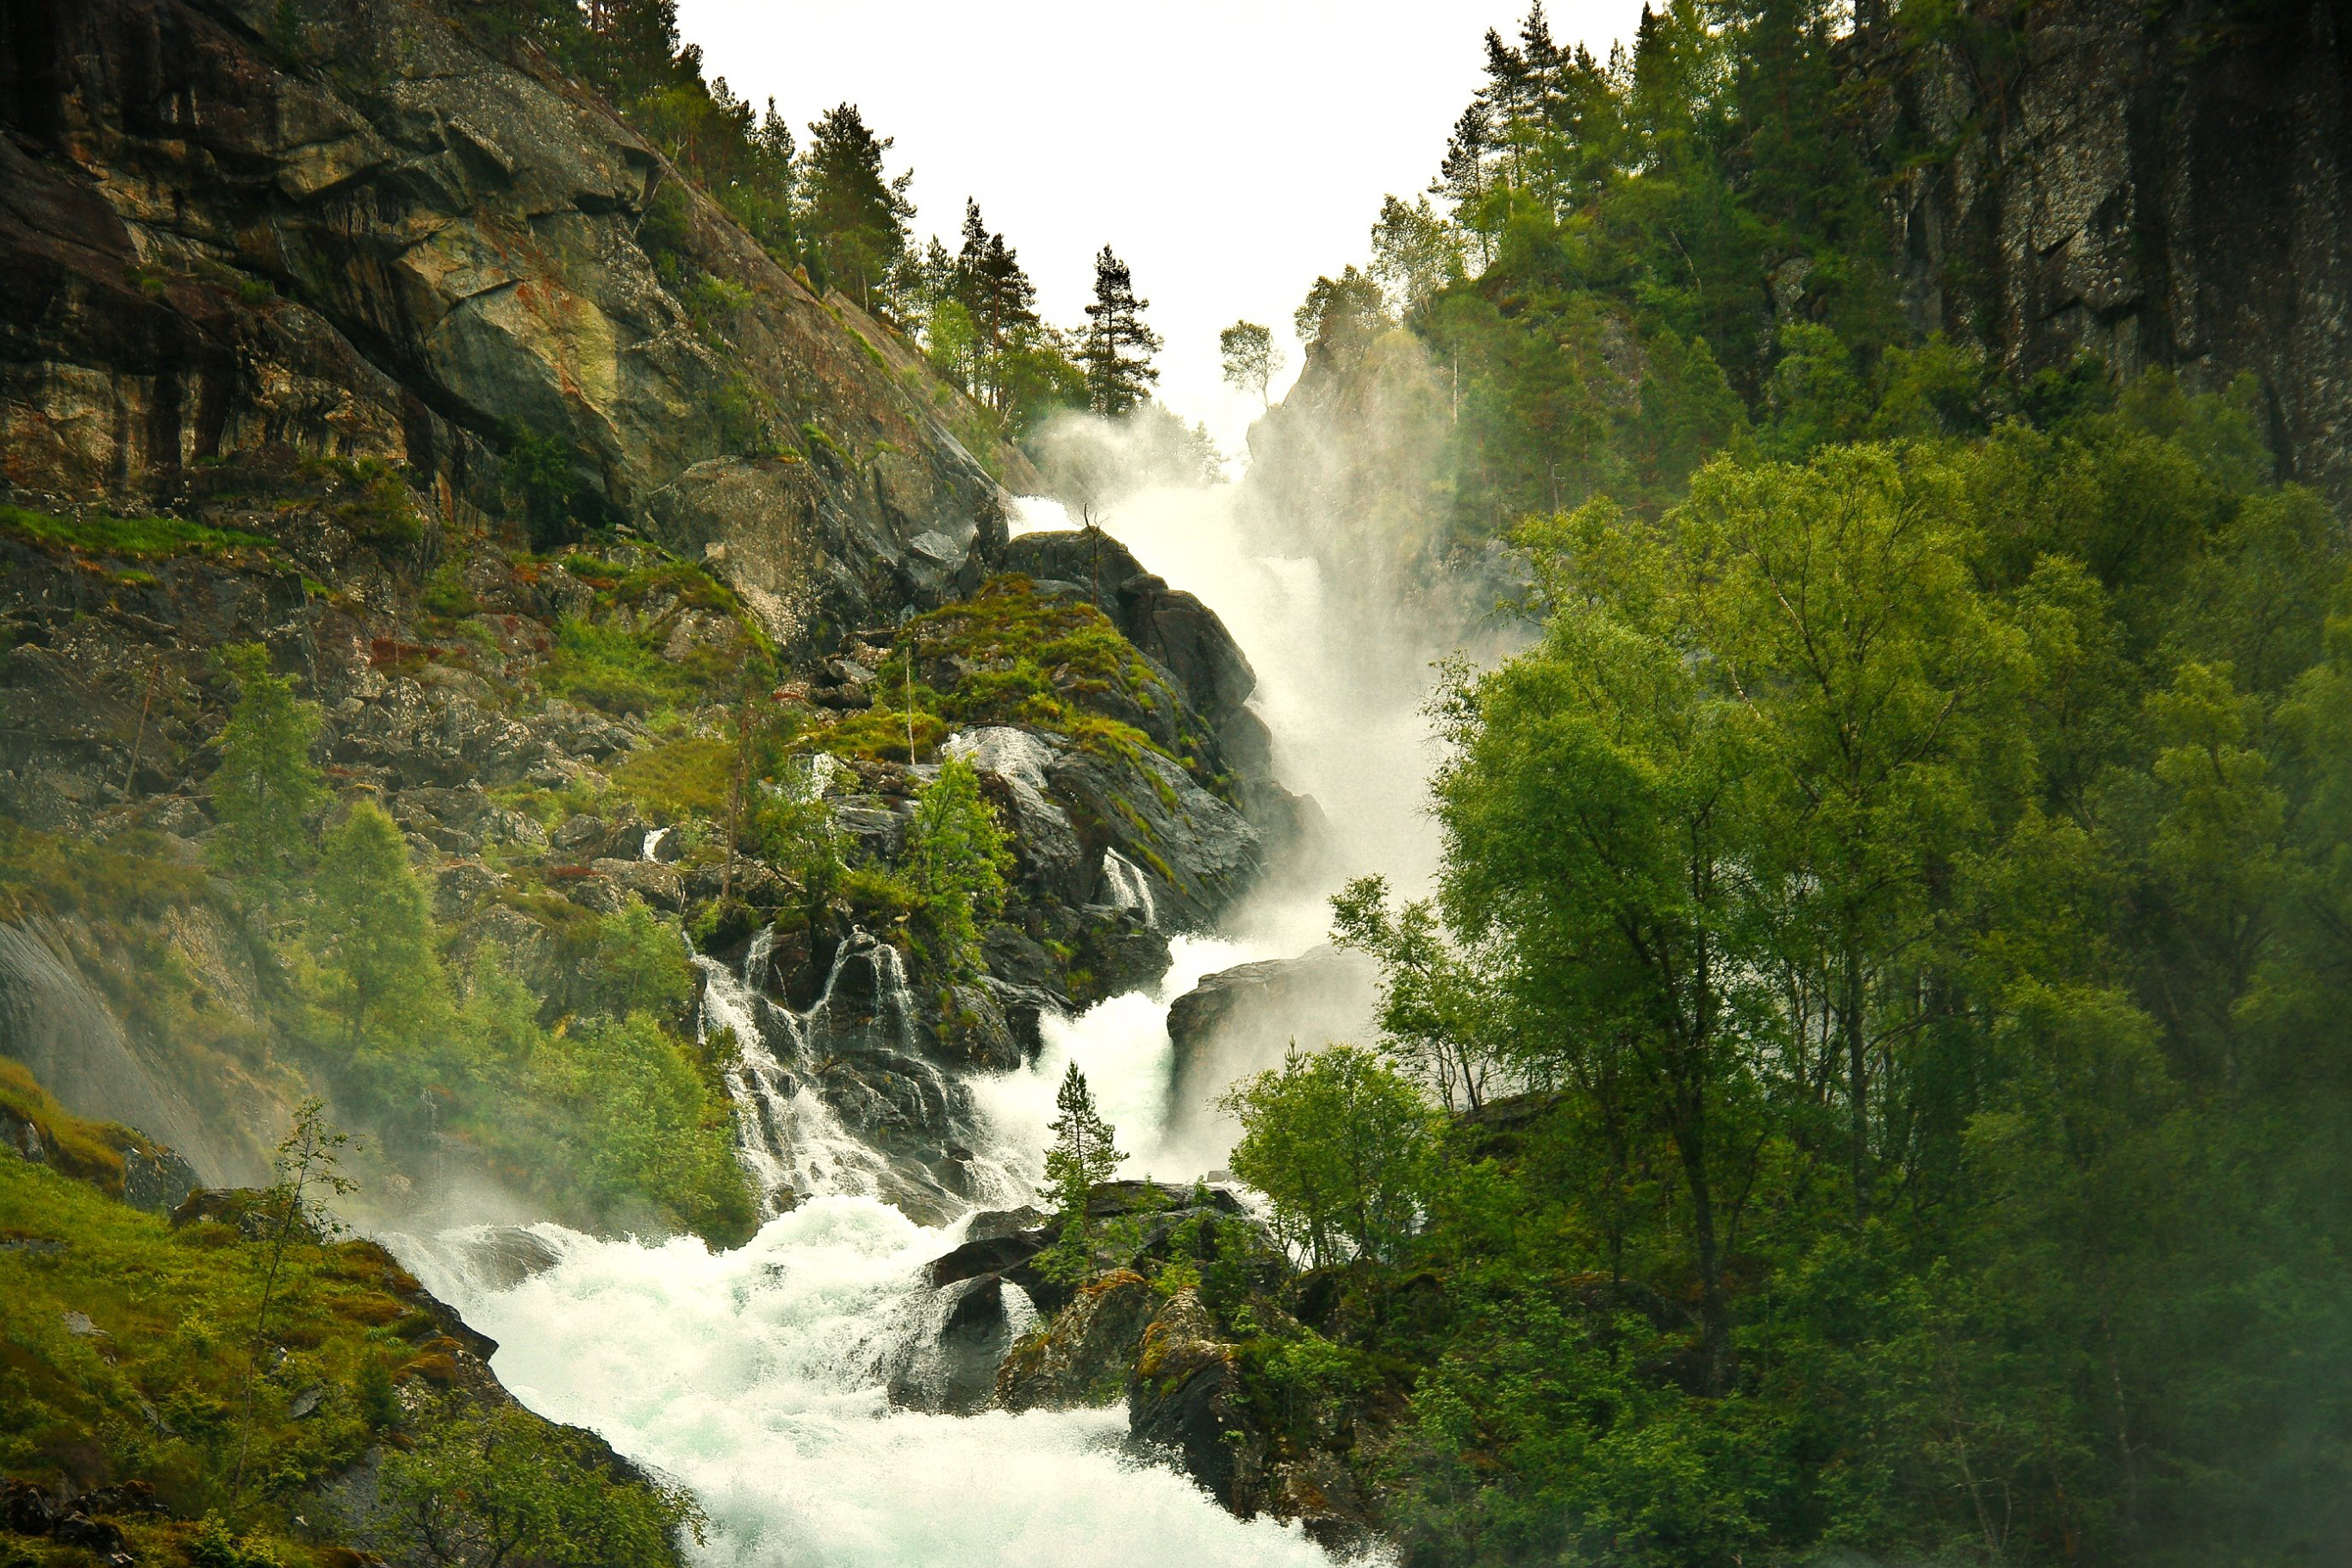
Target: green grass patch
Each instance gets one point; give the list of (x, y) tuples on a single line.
[(127, 875), (125, 538), (1051, 662), (689, 776), (157, 1389)]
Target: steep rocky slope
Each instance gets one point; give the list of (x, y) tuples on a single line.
[(2156, 185), (357, 231), (352, 332)]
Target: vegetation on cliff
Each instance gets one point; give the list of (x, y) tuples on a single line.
[(200, 1391), (1905, 882)]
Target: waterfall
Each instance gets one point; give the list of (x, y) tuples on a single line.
[(787, 1137), (764, 1378), (651, 848), (1130, 888)]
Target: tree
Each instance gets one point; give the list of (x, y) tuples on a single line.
[(1628, 924), (1084, 1155), (639, 964), (375, 929), (308, 1158), (853, 217), (1416, 252), (633, 48), (1117, 348), (1874, 682), (1340, 1144), (1250, 357), (956, 858), (999, 298), (266, 787), (1437, 1014), (1340, 317)]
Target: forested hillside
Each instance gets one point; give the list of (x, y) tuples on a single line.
[(1881, 985)]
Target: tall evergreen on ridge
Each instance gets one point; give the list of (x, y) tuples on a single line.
[(1118, 347), (854, 216), (633, 46), (999, 297)]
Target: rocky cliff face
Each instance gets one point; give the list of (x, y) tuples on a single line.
[(2158, 185), (355, 230)]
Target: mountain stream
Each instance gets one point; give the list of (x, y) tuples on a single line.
[(760, 1378)]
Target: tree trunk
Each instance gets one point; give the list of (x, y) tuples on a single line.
[(1715, 1309), (1857, 1077)]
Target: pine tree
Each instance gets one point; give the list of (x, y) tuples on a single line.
[(1117, 349), (633, 48), (853, 216), (266, 784), (997, 294), (1083, 1156), (375, 929)]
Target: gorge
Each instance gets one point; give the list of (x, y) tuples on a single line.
[(1695, 915)]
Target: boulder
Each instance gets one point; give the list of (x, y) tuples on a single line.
[(1241, 1020), (986, 1254), (949, 1364), (1086, 1355)]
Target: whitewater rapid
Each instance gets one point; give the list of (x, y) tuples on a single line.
[(751, 1377), (757, 1377)]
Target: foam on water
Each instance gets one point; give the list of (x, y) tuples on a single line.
[(753, 1377)]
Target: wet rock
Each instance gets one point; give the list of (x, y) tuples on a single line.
[(975, 1031), (23, 1137), (1241, 1020), (1197, 853), (2102, 191), (55, 1023), (501, 1256), (949, 1367), (1085, 1357), (989, 1224), (98, 1536), (986, 1254), (1186, 1396), (1049, 861)]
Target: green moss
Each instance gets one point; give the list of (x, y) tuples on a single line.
[(91, 1151), (158, 1392), (126, 538), (1051, 662)]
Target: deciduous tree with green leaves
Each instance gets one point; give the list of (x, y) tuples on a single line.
[(1340, 1143)]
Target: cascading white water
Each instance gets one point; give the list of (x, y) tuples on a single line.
[(753, 1377), (785, 1135), (1128, 887), (760, 1377)]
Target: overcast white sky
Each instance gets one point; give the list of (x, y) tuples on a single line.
[(1229, 150)]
